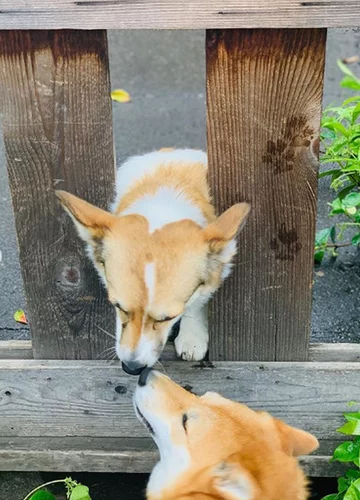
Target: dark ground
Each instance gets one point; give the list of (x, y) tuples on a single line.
[(165, 74)]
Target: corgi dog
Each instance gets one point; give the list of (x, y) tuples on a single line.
[(214, 448), (161, 252)]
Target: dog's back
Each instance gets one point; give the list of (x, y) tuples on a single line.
[(165, 186)]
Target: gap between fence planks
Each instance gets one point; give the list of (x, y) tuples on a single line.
[(187, 14), (264, 91), (57, 124)]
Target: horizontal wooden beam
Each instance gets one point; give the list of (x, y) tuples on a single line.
[(188, 14), (132, 455), (22, 349), (89, 404)]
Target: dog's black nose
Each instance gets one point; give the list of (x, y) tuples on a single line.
[(144, 376), (132, 367)]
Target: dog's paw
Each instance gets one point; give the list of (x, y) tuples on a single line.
[(191, 346)]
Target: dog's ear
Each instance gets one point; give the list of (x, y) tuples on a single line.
[(223, 231), (232, 482), (295, 442), (91, 222)]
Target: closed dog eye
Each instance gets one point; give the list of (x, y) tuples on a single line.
[(184, 421)]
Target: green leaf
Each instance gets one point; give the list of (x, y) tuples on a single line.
[(352, 474), (350, 82), (336, 206), (343, 484), (336, 126), (351, 200), (352, 416), (319, 255), (80, 492), (334, 496), (347, 452), (351, 99), (329, 172), (356, 239), (344, 68), (322, 236), (42, 495), (353, 493), (351, 428), (355, 113)]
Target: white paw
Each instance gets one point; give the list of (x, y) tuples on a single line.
[(191, 346)]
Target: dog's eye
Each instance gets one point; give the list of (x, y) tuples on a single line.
[(164, 320), (101, 262), (184, 421), (124, 325)]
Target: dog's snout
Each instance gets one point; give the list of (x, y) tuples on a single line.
[(144, 376), (133, 367)]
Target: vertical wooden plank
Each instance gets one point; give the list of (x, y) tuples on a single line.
[(264, 90), (55, 102)]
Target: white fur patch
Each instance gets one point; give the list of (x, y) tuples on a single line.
[(150, 281), (137, 166), (174, 459), (165, 206)]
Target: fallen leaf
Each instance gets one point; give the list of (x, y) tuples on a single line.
[(319, 273), (120, 95), (20, 317), (350, 60)]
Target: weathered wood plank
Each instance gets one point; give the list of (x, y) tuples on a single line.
[(334, 352), (55, 102), (264, 90), (94, 399), (188, 14), (114, 456), (22, 349), (16, 349)]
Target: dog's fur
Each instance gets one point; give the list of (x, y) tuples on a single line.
[(213, 448), (161, 253)]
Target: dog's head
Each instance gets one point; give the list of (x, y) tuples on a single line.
[(214, 448), (152, 276)]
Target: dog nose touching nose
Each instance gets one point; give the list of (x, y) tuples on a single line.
[(144, 376), (133, 367)]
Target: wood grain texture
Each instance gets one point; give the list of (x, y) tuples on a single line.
[(57, 123), (22, 349), (264, 90), (108, 455), (16, 349), (187, 14), (94, 399), (334, 352)]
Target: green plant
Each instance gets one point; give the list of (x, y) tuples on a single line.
[(340, 138), (74, 491), (348, 452)]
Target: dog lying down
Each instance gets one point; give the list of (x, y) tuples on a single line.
[(213, 448), (161, 253)]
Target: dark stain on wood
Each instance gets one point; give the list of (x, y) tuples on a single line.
[(286, 244)]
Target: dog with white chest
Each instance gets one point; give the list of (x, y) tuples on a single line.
[(161, 252)]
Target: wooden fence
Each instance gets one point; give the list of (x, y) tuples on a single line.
[(60, 409)]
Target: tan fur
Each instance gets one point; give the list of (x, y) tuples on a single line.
[(185, 256), (230, 446)]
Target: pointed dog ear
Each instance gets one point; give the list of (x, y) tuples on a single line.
[(91, 222), (222, 232), (295, 442)]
